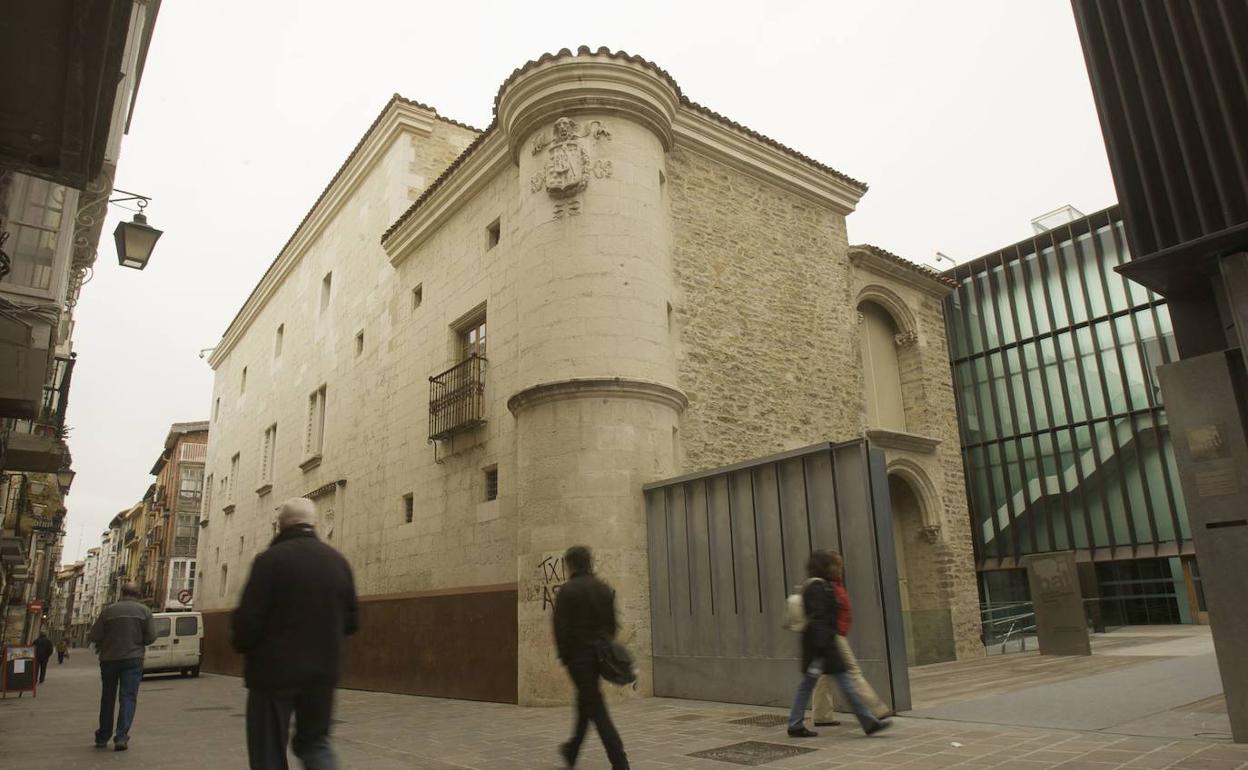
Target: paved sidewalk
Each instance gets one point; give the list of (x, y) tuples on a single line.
[(197, 723)]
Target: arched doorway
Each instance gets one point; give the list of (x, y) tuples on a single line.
[(907, 520)]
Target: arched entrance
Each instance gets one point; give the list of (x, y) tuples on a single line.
[(907, 518), (924, 597)]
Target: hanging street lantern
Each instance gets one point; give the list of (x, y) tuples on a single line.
[(135, 240)]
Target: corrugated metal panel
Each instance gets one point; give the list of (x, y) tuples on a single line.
[(1170, 80)]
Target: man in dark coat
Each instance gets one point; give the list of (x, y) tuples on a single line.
[(584, 617), (298, 605), (121, 635), (43, 654)]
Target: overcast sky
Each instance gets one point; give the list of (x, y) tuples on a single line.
[(966, 118)]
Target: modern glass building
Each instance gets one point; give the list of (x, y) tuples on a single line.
[(1064, 435)]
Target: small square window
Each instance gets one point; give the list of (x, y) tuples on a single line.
[(359, 344), (492, 234), (408, 508), (491, 483), (418, 296)]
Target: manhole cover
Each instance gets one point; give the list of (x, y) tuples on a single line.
[(210, 708), (688, 717), (761, 720), (752, 753)]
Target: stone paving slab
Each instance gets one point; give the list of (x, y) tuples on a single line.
[(382, 730)]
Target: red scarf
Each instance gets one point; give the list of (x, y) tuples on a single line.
[(844, 615)]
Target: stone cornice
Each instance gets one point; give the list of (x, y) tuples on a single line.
[(894, 268), (398, 118), (478, 169), (908, 442), (597, 83), (703, 134), (598, 387)]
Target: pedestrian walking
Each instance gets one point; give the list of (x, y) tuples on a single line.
[(62, 650), (584, 618), (121, 634), (823, 704), (298, 604), (43, 654), (820, 654)]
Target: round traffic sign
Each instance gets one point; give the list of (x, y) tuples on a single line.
[(184, 596)]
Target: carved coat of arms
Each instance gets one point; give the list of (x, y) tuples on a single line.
[(568, 165)]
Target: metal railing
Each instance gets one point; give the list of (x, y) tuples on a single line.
[(1007, 622), (457, 398)]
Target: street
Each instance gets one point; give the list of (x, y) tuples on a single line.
[(194, 723)]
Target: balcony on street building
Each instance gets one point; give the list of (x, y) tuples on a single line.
[(457, 399)]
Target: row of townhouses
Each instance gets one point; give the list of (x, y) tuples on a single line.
[(59, 145)]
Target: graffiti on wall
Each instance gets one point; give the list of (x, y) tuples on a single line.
[(554, 575)]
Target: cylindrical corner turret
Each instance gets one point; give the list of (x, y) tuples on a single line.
[(596, 405)]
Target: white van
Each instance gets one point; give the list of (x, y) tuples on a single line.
[(177, 645)]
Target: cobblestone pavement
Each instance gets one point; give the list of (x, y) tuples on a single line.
[(197, 723)]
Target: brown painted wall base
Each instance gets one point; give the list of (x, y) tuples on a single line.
[(460, 643)]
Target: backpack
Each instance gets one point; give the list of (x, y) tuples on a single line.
[(795, 609), (615, 662)]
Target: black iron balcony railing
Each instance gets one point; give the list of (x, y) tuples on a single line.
[(457, 398)]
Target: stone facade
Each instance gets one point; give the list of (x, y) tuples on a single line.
[(660, 290)]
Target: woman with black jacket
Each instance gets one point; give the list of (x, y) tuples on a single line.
[(819, 651)]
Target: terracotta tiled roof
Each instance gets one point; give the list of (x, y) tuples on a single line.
[(354, 151), (924, 270), (623, 56)]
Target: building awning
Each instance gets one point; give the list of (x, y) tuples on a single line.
[(30, 453), (62, 63)]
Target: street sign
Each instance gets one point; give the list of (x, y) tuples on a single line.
[(184, 596), (35, 607)]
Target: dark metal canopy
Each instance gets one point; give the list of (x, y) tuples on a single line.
[(1170, 81), (61, 61)]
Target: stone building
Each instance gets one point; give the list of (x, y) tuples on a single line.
[(664, 290)]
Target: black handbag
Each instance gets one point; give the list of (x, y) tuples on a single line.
[(615, 662)]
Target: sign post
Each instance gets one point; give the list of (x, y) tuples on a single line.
[(18, 672)]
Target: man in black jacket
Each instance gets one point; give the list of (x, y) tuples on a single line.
[(43, 654), (584, 617), (298, 605)]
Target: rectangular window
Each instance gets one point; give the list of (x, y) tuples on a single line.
[(190, 487), (187, 625), (233, 477), (327, 284), (492, 234), (225, 576), (418, 296), (491, 483), (242, 385), (216, 410), (359, 344), (472, 339), (208, 495), (408, 508), (33, 222), (277, 341), (315, 439), (267, 459)]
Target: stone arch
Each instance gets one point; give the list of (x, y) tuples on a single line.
[(924, 489), (892, 302)]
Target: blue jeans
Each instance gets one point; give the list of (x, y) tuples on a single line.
[(114, 673), (846, 682)]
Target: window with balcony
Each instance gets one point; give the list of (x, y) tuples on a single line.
[(190, 487), (457, 396)]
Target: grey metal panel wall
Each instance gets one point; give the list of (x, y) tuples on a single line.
[(728, 546)]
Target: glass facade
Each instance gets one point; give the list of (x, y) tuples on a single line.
[(1064, 435)]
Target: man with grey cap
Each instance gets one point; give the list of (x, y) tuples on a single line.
[(298, 605)]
